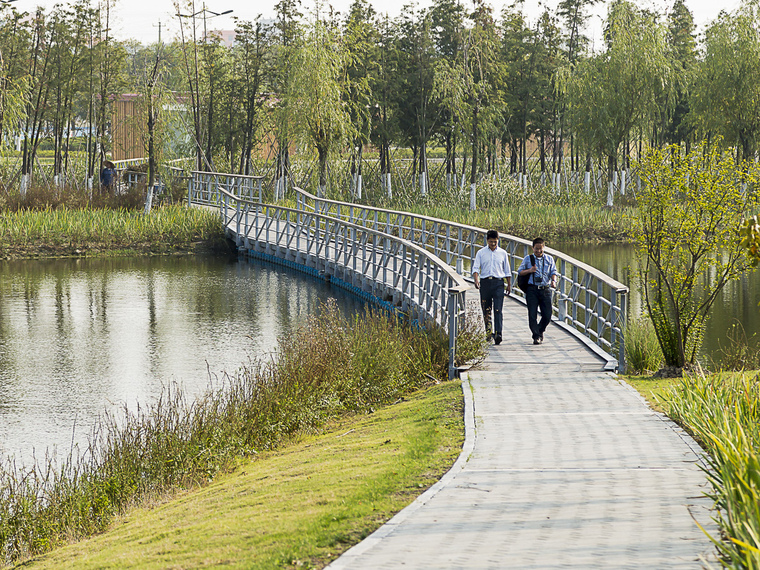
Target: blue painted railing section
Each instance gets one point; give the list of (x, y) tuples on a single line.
[(387, 270), (587, 300)]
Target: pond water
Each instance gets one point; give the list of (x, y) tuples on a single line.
[(736, 303), (78, 337)]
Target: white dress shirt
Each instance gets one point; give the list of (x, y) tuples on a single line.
[(492, 263)]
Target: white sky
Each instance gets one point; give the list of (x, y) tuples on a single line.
[(139, 19)]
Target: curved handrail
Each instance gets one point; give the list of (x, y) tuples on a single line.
[(390, 266), (616, 285), (588, 300)]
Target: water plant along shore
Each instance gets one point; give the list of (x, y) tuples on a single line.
[(328, 368)]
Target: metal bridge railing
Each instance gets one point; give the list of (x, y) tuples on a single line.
[(204, 187), (588, 300), (392, 269)]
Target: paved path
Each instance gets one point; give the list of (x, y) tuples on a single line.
[(564, 466)]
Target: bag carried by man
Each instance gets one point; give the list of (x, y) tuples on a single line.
[(522, 280)]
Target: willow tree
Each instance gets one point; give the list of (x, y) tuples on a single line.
[(14, 81), (286, 35), (447, 19), (480, 66), (623, 87), (466, 88), (361, 38), (315, 94), (726, 94)]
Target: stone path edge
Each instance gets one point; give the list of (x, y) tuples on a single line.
[(470, 435)]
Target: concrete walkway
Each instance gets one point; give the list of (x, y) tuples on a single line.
[(563, 466)]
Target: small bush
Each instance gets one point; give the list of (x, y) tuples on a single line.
[(643, 354)]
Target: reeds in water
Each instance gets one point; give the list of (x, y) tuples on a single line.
[(63, 230)]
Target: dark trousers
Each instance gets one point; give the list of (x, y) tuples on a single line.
[(535, 298), (492, 295)]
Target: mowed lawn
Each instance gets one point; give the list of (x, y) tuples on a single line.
[(299, 507)]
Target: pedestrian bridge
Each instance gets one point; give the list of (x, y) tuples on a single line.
[(414, 264), (563, 464)]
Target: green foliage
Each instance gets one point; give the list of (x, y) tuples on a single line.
[(685, 226), (624, 87), (315, 95), (71, 231), (329, 367), (642, 351), (726, 91), (723, 413)]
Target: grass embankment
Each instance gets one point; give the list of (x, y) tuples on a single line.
[(569, 214), (592, 223), (329, 368), (103, 231), (299, 507)]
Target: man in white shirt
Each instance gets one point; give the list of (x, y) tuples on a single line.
[(490, 269)]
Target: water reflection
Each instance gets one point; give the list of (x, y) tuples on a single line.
[(79, 336), (737, 302)]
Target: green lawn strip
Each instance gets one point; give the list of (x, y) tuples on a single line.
[(652, 389), (299, 507)]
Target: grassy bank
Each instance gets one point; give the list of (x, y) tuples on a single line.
[(87, 231), (581, 223), (569, 214), (329, 368), (300, 507)]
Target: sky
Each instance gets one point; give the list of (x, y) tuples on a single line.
[(142, 19)]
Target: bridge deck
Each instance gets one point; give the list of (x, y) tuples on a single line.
[(563, 466)]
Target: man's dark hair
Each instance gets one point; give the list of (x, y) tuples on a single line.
[(538, 240), (492, 234)]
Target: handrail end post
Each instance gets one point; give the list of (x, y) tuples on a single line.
[(453, 322)]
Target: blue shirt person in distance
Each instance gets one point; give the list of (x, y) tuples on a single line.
[(490, 269), (543, 278)]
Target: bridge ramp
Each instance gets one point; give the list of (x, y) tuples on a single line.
[(564, 466)]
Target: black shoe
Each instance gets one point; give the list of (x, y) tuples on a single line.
[(497, 339), (536, 341), (541, 339)]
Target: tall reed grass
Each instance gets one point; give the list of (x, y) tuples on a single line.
[(737, 352), (723, 412), (569, 213), (328, 367), (63, 230), (642, 350)]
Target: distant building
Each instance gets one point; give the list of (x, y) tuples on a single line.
[(128, 133), (227, 37)]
